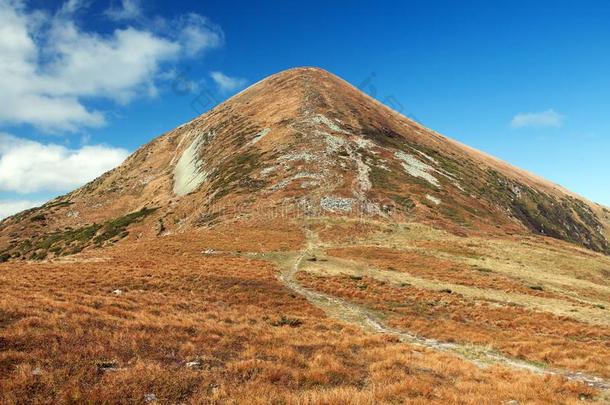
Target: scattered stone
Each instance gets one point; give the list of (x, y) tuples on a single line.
[(303, 175), (364, 143), (37, 371), (321, 119), (433, 199), (194, 365), (209, 252), (513, 402), (337, 204), (303, 156), (260, 136), (430, 158), (150, 397), (107, 365), (333, 143), (267, 170), (117, 292), (417, 168)]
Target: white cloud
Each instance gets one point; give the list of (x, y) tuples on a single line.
[(226, 83), (548, 118), (128, 10), (50, 67), (10, 207), (71, 7), (27, 166), (197, 33)]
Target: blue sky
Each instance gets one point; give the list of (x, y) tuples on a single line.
[(83, 83)]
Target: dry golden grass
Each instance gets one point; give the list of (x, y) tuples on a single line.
[(65, 337), (550, 306), (517, 332), (428, 266), (338, 231)]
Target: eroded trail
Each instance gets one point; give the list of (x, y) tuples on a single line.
[(372, 322)]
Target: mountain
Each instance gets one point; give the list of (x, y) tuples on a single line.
[(303, 244), (304, 141)]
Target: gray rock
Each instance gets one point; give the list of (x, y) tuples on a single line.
[(337, 204), (107, 365), (194, 365)]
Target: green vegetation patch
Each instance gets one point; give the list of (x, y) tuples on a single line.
[(403, 202), (71, 241), (234, 175), (118, 226), (568, 219)]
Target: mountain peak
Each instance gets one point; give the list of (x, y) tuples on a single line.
[(304, 142), (303, 72)]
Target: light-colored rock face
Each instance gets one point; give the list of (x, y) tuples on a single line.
[(260, 136), (435, 200), (189, 173), (417, 168), (321, 119)]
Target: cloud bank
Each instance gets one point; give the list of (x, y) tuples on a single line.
[(27, 166), (50, 66)]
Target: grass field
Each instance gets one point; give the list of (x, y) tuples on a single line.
[(203, 318)]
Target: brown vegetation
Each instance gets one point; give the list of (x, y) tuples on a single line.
[(428, 266), (162, 318), (444, 315)]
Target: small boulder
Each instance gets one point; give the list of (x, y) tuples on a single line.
[(194, 365), (150, 397), (107, 365)]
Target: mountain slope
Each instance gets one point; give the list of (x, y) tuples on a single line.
[(303, 142)]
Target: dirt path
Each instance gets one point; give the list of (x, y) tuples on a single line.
[(372, 322)]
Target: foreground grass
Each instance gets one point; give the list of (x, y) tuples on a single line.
[(161, 320)]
